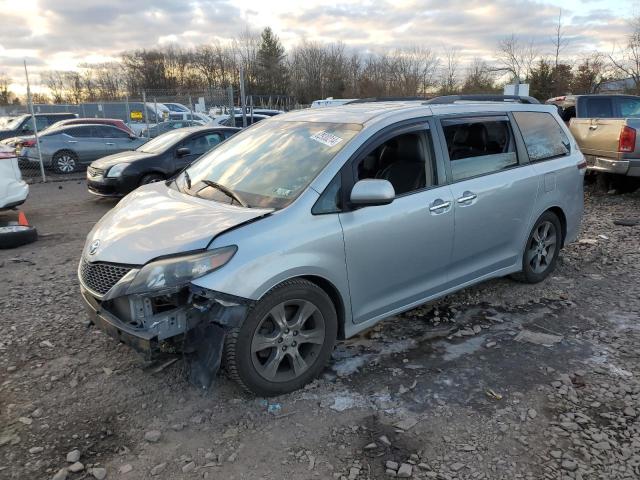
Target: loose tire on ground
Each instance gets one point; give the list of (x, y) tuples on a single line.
[(294, 326), (12, 236), (541, 250)]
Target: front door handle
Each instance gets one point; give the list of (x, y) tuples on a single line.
[(109, 143), (436, 207), (72, 141), (467, 197)]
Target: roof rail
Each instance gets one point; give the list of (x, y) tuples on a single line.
[(447, 99), (387, 99)]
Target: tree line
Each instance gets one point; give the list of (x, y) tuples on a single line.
[(312, 70)]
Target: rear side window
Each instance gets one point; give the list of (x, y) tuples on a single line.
[(479, 146), (629, 107), (599, 107), (543, 136), (113, 132)]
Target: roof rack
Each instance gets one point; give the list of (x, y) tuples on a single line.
[(387, 99), (448, 99)]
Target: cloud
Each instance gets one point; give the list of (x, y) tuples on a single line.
[(67, 32)]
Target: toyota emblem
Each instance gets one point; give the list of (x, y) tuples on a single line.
[(93, 248)]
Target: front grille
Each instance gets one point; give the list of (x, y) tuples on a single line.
[(100, 277), (95, 172)]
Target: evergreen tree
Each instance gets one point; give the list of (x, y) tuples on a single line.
[(271, 71)]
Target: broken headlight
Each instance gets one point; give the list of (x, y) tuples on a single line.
[(172, 272)]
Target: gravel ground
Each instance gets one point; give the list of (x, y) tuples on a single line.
[(499, 381)]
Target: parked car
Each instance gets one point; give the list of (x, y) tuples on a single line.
[(177, 107), (13, 190), (66, 148), (160, 158), (191, 116), (165, 127), (23, 125), (318, 224), (269, 112), (605, 127), (236, 121)]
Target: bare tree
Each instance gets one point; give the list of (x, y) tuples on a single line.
[(449, 74), (560, 42), (627, 62), (479, 78), (517, 57), (54, 81)]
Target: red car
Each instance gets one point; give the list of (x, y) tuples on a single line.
[(116, 122)]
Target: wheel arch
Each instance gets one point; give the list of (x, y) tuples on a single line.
[(335, 297), (558, 212)]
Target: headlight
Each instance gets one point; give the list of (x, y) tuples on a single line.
[(117, 170), (176, 271)]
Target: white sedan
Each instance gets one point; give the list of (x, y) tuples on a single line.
[(13, 190)]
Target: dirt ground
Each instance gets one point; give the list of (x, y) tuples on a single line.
[(500, 381)]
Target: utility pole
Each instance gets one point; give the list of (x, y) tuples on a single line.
[(242, 97), (33, 119)]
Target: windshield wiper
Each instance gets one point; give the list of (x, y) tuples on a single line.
[(225, 190)]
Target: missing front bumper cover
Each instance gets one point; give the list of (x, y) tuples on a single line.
[(197, 325)]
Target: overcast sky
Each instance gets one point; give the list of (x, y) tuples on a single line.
[(60, 34)]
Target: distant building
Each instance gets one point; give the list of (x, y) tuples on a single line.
[(618, 86)]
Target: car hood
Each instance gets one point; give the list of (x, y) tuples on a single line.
[(127, 156), (155, 220)]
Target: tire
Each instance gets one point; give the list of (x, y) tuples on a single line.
[(541, 250), (64, 162), (12, 236), (151, 178), (267, 357)]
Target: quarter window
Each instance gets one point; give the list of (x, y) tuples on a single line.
[(543, 136), (629, 107), (479, 146)]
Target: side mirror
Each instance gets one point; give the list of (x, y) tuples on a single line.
[(372, 192), (183, 152)]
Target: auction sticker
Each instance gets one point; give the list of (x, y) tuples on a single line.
[(326, 138)]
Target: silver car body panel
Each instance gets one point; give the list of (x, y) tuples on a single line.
[(379, 260)]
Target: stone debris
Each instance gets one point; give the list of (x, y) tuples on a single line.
[(152, 436), (73, 456)]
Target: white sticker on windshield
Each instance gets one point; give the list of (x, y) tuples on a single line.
[(282, 192), (328, 139)]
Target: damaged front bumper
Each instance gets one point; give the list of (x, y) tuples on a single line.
[(188, 319)]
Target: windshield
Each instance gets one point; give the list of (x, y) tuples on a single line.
[(269, 164), (162, 142)]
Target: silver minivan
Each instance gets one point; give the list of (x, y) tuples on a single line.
[(314, 225)]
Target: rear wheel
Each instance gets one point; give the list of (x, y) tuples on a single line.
[(542, 249), (151, 178), (65, 162), (285, 341)]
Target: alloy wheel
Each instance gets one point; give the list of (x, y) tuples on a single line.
[(287, 340), (542, 247), (66, 163)]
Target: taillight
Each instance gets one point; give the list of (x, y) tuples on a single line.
[(29, 143), (627, 142), (582, 164)]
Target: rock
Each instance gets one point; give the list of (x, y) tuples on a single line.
[(158, 469), (37, 413), (75, 467), (353, 473), (25, 420), (189, 467), (126, 468), (371, 446), (405, 470), (98, 473), (391, 473), (629, 412), (532, 413), (391, 465), (73, 456), (36, 450), (456, 466), (467, 448), (570, 465), (385, 441), (152, 436), (407, 423), (490, 344), (61, 475), (557, 454)]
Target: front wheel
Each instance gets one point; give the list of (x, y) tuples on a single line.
[(151, 178), (65, 162), (542, 249), (285, 341)]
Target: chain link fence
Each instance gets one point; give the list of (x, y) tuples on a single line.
[(140, 112)]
